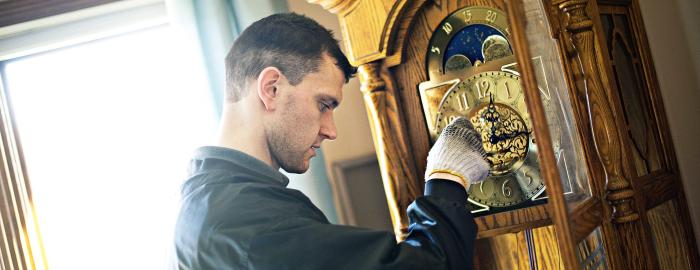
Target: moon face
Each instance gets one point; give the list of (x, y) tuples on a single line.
[(495, 47), (457, 62)]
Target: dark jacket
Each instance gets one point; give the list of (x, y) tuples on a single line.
[(238, 214)]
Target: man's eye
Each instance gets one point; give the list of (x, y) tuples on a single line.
[(324, 107)]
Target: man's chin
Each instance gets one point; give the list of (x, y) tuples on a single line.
[(299, 169)]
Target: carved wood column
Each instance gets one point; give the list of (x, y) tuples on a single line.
[(393, 151), (607, 142)]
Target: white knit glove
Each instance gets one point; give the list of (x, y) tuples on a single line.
[(459, 152)]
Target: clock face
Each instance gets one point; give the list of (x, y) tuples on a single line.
[(473, 74), (494, 103)]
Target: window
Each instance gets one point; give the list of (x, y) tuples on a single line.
[(107, 128)]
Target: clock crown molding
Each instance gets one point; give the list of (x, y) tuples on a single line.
[(378, 38)]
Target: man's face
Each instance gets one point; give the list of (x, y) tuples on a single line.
[(304, 117)]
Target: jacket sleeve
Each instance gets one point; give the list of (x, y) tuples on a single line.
[(441, 236)]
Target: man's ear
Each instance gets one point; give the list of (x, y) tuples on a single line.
[(267, 87)]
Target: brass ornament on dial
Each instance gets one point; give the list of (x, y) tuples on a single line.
[(505, 155)]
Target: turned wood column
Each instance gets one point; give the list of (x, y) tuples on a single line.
[(607, 139), (396, 161)]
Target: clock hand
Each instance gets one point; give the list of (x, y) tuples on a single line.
[(491, 115)]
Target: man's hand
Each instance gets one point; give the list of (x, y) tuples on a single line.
[(458, 155)]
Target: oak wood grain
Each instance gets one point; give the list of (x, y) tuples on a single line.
[(667, 230)]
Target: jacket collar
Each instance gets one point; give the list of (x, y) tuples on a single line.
[(220, 158)]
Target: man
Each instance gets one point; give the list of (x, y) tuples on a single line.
[(284, 78)]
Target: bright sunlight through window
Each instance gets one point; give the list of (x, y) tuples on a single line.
[(107, 129)]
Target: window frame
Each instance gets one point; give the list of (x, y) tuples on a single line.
[(31, 27)]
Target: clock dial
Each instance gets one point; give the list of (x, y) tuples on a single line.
[(472, 73), (468, 38), (494, 103)]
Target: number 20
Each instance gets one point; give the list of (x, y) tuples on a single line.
[(491, 16)]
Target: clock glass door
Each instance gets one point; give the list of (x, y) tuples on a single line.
[(473, 73)]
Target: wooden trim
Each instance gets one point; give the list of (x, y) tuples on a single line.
[(513, 221), (19, 11), (663, 128), (585, 218), (654, 90), (657, 188)]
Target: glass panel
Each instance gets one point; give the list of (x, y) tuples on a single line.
[(632, 87), (473, 73), (668, 235), (546, 61), (591, 252)]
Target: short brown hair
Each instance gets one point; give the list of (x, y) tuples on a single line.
[(291, 42)]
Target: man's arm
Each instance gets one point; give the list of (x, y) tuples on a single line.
[(296, 236), (441, 236)]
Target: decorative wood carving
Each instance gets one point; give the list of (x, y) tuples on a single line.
[(375, 25), (393, 151), (607, 141)]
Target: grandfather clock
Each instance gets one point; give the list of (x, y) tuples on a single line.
[(564, 94)]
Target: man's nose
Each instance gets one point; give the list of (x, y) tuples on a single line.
[(328, 128)]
